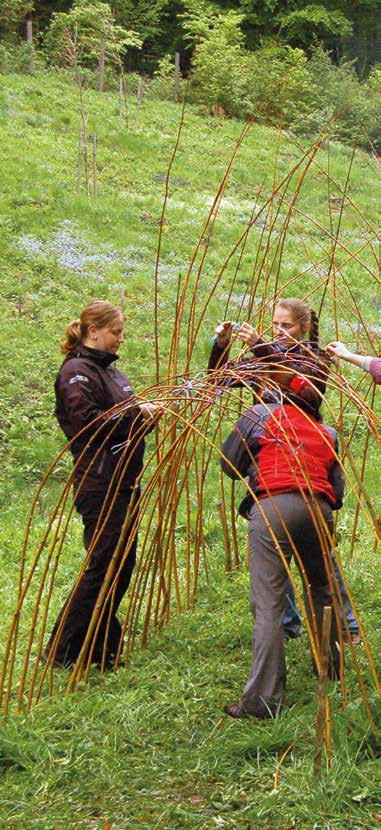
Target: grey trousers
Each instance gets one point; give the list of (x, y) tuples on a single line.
[(264, 692)]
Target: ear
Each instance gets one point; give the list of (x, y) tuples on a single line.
[(92, 332)]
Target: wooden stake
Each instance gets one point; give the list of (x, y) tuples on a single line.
[(222, 512), (121, 93), (29, 31), (29, 38), (79, 161), (94, 144), (233, 521), (322, 710), (139, 97), (177, 76), (102, 53)]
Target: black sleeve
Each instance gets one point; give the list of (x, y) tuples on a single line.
[(261, 349), (336, 477), (218, 355), (242, 445)]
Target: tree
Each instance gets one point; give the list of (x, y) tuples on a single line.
[(143, 16), (314, 22), (13, 12), (73, 38), (220, 63)]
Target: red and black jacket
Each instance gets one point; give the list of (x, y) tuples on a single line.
[(87, 386), (283, 449)]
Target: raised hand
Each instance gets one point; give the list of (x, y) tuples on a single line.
[(224, 333), (151, 410), (338, 349), (248, 334)]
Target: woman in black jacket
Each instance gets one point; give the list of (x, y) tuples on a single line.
[(108, 451)]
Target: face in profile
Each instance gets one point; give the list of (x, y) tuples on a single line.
[(110, 337)]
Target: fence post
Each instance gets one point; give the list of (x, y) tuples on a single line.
[(29, 40), (94, 142), (29, 30), (102, 50), (79, 162), (177, 76), (138, 102)]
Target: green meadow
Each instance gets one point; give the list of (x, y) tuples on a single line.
[(150, 746)]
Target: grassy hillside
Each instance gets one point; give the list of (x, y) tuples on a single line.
[(149, 747)]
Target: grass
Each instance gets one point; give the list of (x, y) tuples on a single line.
[(150, 747)]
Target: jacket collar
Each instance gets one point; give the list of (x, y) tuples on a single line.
[(99, 357)]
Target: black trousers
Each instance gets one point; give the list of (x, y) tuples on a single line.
[(79, 606)]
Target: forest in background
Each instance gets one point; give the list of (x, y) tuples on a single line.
[(149, 747), (348, 29), (308, 67)]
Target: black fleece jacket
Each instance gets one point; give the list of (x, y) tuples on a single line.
[(87, 386)]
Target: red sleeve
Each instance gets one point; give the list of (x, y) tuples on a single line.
[(375, 369)]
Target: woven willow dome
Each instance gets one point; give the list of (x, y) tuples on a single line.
[(182, 469)]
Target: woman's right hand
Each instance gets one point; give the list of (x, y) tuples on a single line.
[(223, 333)]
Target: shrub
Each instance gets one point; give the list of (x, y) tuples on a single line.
[(162, 85), (279, 82), (74, 38), (20, 58), (4, 60), (372, 92), (221, 67)]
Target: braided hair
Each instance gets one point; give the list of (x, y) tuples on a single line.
[(314, 326), (303, 313)]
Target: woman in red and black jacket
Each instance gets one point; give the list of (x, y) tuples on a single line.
[(108, 454), (296, 338), (291, 461)]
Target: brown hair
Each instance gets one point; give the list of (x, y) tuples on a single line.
[(100, 313), (302, 312)]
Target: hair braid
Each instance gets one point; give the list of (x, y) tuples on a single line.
[(314, 327)]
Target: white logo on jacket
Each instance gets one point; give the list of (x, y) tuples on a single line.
[(79, 378)]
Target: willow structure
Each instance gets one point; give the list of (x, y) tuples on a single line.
[(199, 408)]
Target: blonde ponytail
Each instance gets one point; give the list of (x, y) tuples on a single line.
[(72, 337)]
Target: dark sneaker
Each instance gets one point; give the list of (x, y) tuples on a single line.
[(354, 638), (292, 633)]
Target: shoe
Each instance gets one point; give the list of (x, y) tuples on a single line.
[(292, 634), (235, 710), (56, 663), (354, 638)]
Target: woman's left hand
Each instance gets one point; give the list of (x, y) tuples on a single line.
[(248, 335)]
